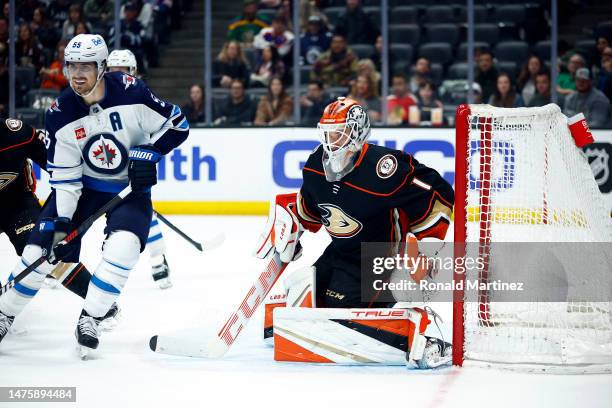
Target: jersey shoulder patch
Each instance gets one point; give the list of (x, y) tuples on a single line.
[(382, 171), (14, 134)]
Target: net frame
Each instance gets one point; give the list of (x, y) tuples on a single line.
[(486, 117)]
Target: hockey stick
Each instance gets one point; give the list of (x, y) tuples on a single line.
[(181, 233), (80, 230), (225, 338)]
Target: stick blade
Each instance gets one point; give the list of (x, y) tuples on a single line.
[(212, 243), (187, 343)]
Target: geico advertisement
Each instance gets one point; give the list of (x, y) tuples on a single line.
[(253, 164)]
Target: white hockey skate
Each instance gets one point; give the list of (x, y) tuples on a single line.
[(161, 274), (5, 324), (111, 319), (87, 333)]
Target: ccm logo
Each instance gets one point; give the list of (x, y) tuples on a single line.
[(139, 154), (378, 313)]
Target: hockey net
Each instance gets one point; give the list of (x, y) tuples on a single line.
[(521, 178)]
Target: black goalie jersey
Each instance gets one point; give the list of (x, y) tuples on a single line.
[(387, 195), (18, 142)]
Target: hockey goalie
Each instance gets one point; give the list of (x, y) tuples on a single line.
[(359, 193)]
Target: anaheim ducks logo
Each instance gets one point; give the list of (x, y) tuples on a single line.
[(6, 179), (386, 166), (338, 223)]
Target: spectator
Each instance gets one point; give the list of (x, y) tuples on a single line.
[(25, 9), (427, 100), (336, 66), (364, 91), (270, 65), (605, 75), (28, 51), (308, 8), (527, 78), (566, 83), (602, 44), (102, 10), (314, 41), (588, 100), (270, 4), (43, 29), (231, 64), (53, 76), (476, 92), (276, 106), (276, 36), (421, 72), (82, 28), (355, 25), (131, 34), (400, 101), (75, 16), (505, 96), (4, 33), (542, 87), (4, 81), (58, 12), (244, 28), (486, 74), (239, 109), (366, 67), (194, 110), (376, 56), (313, 103)]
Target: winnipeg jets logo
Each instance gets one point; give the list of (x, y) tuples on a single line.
[(103, 153), (338, 223), (54, 107), (128, 80)]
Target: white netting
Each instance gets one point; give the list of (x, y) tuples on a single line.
[(528, 182)]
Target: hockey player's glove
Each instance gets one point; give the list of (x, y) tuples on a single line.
[(53, 231), (142, 170), (282, 232)]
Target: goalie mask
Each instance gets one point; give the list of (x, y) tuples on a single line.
[(343, 129)]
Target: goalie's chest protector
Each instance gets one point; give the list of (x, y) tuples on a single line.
[(362, 206)]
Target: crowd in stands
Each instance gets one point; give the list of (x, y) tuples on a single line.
[(44, 28), (341, 54)]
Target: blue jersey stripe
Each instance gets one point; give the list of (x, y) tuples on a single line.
[(154, 238), (105, 286)]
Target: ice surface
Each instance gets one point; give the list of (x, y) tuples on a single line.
[(125, 373)]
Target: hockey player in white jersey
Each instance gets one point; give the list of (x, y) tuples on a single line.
[(125, 61), (106, 130)]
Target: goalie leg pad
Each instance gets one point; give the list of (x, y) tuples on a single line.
[(348, 336), (299, 292), (119, 255), (13, 301)]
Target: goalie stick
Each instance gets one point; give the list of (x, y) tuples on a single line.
[(185, 345), (80, 230)]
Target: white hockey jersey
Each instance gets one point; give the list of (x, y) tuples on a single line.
[(88, 146)]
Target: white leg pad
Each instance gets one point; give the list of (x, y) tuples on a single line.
[(300, 287), (119, 256), (13, 301)]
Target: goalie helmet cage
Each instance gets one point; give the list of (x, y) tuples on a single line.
[(520, 177)]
